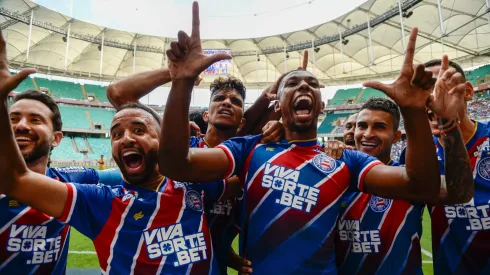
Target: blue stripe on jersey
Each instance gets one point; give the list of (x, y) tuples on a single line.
[(11, 213)]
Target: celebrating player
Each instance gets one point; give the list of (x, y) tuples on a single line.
[(349, 129), (292, 187)]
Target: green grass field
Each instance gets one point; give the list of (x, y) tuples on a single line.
[(82, 253)]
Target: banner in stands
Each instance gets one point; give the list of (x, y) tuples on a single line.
[(222, 67)]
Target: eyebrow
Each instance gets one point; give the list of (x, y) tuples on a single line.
[(114, 126)]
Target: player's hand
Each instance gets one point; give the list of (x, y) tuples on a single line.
[(305, 61), (186, 60), (447, 98), (335, 148), (413, 86), (273, 131), (245, 268), (9, 82), (195, 130), (198, 81)]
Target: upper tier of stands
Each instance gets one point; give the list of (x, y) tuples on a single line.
[(332, 121), (85, 117), (98, 91), (342, 96), (479, 76)]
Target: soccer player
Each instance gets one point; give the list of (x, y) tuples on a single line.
[(101, 162), (292, 188), (379, 235), (461, 232), (349, 129)]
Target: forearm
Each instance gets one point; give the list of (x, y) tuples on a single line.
[(254, 115), (12, 165), (175, 135), (134, 87), (421, 160), (459, 177)]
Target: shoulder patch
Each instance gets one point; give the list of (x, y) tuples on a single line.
[(324, 163), (378, 204)]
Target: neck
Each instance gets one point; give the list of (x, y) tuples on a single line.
[(293, 135), (467, 128), (215, 136), (39, 166), (385, 159), (153, 183)]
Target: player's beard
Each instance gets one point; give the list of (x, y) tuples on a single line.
[(150, 160), (303, 128), (39, 151)]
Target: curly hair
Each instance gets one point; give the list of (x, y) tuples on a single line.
[(385, 105), (228, 83)]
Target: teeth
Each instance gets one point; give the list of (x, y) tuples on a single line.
[(23, 139), (130, 153), (368, 144)]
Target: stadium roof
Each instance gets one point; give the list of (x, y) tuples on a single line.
[(466, 38)]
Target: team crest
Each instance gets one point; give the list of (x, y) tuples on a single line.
[(129, 195), (379, 204), (193, 200), (325, 163), (484, 168)]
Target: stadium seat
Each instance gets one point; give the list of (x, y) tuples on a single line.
[(61, 89), (98, 91), (341, 96), (65, 151), (477, 76), (101, 116), (74, 117), (368, 93), (25, 85), (80, 143), (327, 125), (100, 146)]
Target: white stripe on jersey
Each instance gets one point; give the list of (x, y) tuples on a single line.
[(114, 240), (140, 244), (14, 219), (359, 195), (270, 190), (270, 160), (73, 202), (396, 235), (2, 196), (189, 268), (361, 174), (233, 162), (164, 258)]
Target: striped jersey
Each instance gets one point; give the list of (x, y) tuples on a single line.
[(291, 202), (139, 231), (461, 233), (221, 221), (378, 235), (31, 242)]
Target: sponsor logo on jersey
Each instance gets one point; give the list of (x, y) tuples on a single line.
[(129, 194), (178, 185), (478, 216), (32, 239), (165, 241), (483, 168), (222, 208), (324, 163), (294, 194), (193, 200), (378, 204), (363, 241), (485, 146)]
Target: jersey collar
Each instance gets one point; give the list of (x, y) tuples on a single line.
[(307, 142)]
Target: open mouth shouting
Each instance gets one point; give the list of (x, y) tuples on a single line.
[(225, 112), (133, 160), (303, 107)]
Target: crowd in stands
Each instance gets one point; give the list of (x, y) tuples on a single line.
[(397, 149), (479, 108)]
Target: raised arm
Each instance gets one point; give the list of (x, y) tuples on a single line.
[(18, 182), (175, 160), (420, 178)]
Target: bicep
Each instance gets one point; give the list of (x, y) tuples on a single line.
[(209, 164), (41, 193), (389, 182)]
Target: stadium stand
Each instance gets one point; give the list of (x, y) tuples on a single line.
[(342, 96), (74, 117), (27, 84), (65, 151), (329, 124), (479, 75), (81, 145), (101, 116), (368, 93), (61, 89), (100, 146), (98, 91)]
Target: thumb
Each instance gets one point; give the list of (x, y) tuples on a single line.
[(385, 88), (210, 60), (20, 76)]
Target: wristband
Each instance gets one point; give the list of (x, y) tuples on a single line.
[(448, 127)]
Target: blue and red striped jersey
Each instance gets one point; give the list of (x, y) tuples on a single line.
[(139, 231), (221, 220), (461, 232), (378, 235), (291, 202), (32, 242)]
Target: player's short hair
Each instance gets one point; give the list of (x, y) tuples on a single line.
[(139, 106), (438, 62), (197, 117), (228, 83), (385, 105), (283, 81), (46, 100)]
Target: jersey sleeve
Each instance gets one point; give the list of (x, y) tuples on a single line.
[(110, 177), (237, 150), (359, 165), (214, 191), (87, 208), (79, 174)]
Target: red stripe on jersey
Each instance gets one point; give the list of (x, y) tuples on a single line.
[(69, 205), (292, 159), (31, 217), (229, 155), (203, 267), (439, 224), (103, 241), (394, 219), (171, 204), (477, 255), (414, 257), (48, 268), (293, 220), (473, 149), (364, 172)]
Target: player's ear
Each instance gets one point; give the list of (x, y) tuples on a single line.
[(205, 116), (469, 92), (397, 137), (277, 106), (57, 136)]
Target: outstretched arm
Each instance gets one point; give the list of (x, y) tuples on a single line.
[(36, 190), (175, 160)]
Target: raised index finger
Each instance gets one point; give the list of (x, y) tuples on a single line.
[(3, 53), (305, 60), (195, 21), (411, 48), (444, 65)]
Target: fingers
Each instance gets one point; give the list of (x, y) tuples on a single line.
[(20, 76), (182, 38), (444, 65), (411, 48), (195, 130), (171, 56), (456, 79), (198, 81), (448, 74), (385, 88), (422, 77), (246, 267), (305, 60), (3, 53), (275, 86), (334, 149), (196, 32), (174, 46), (272, 132), (418, 74), (322, 85), (459, 90), (428, 81)]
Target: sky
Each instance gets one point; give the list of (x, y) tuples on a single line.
[(220, 19)]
